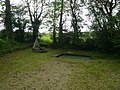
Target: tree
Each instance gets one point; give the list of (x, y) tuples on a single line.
[(61, 23), (104, 14), (19, 21), (8, 20), (36, 14), (53, 19), (54, 24), (73, 6)]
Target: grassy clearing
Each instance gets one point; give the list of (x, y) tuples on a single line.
[(95, 75), (26, 70)]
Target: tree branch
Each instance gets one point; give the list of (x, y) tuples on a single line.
[(41, 11), (29, 11)]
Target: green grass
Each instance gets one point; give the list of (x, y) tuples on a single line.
[(102, 72), (95, 75)]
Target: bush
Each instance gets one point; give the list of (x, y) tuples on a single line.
[(46, 39), (10, 46)]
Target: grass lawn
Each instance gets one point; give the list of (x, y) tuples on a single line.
[(26, 70)]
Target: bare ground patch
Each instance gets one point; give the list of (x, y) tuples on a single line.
[(51, 75)]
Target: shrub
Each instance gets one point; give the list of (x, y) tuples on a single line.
[(10, 46)]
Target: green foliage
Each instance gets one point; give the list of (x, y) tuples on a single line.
[(10, 46), (46, 39), (3, 34), (116, 40), (106, 23), (58, 4)]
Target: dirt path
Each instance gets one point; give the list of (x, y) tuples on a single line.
[(51, 75)]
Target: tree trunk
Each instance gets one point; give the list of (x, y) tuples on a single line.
[(60, 24), (74, 23), (35, 31), (21, 30), (8, 20), (54, 25), (54, 36), (35, 26)]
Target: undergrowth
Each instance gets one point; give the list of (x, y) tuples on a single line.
[(7, 46)]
